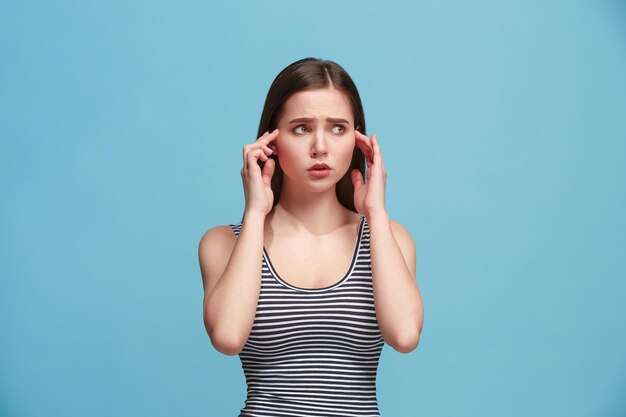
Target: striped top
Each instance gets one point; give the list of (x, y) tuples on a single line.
[(314, 352)]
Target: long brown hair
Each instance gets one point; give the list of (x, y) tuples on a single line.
[(311, 74)]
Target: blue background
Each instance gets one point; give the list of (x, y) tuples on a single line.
[(502, 126)]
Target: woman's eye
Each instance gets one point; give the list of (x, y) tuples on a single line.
[(342, 129), (297, 127)]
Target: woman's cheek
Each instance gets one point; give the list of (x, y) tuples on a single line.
[(284, 161)]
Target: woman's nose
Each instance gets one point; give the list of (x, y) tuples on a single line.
[(319, 143)]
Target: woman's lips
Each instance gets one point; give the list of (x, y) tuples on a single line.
[(319, 165), (319, 173)]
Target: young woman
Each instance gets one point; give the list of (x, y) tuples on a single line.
[(316, 277)]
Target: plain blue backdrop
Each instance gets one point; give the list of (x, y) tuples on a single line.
[(503, 129)]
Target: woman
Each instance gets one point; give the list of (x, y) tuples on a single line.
[(316, 277)]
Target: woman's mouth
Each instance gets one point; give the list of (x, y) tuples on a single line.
[(319, 165), (319, 172)]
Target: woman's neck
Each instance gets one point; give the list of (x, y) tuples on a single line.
[(316, 212)]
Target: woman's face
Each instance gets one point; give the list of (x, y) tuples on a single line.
[(317, 126)]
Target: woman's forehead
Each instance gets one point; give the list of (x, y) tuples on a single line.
[(319, 104)]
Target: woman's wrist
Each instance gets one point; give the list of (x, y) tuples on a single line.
[(377, 214), (253, 216)]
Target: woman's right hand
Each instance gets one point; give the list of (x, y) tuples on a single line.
[(256, 183)]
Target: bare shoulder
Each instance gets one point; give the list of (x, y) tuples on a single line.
[(214, 250), (399, 230), (217, 236), (406, 244)]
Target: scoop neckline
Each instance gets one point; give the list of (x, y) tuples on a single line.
[(355, 253)]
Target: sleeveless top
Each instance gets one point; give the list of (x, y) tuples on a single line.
[(314, 352)]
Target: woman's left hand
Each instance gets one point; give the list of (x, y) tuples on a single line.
[(369, 197)]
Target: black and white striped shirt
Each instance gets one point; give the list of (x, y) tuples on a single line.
[(314, 352)]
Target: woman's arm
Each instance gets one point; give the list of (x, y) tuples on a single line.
[(232, 283), (399, 308)]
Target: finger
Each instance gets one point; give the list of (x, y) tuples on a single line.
[(266, 139), (268, 171), (256, 145), (253, 156), (378, 155), (364, 139), (261, 155), (270, 137), (361, 138), (357, 178), (262, 136), (364, 143), (246, 148)]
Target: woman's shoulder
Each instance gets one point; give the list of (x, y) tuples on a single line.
[(402, 234), (214, 250), (398, 227), (219, 233), (218, 239)]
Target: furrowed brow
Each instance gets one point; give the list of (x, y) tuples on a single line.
[(312, 119)]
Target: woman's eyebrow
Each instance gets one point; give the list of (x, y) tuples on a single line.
[(312, 119)]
